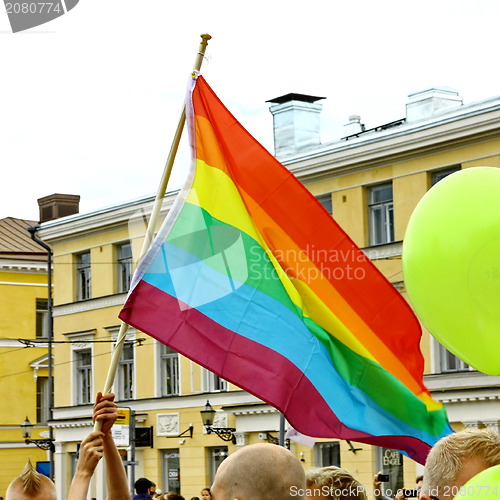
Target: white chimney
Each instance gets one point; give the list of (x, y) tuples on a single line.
[(431, 102), (296, 120)]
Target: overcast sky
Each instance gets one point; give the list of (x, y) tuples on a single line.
[(89, 102)]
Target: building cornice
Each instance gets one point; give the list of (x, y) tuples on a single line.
[(258, 409), (460, 381), (461, 398), (73, 424), (459, 388), (89, 305), (394, 146), (105, 219), (386, 251), (23, 266), (173, 403)]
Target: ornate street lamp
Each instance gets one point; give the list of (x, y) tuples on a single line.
[(207, 416), (44, 444)]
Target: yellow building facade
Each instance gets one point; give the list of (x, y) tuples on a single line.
[(23, 348), (370, 180)]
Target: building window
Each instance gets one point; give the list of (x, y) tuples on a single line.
[(42, 317), (381, 214), (172, 470), (169, 371), (441, 174), (327, 454), (215, 457), (326, 201), (390, 462), (84, 376), (124, 259), (125, 375), (83, 281), (42, 400), (450, 362), (212, 382)]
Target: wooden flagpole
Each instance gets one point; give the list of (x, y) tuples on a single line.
[(153, 221)]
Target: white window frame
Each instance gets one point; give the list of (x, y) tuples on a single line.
[(124, 266), (80, 379), (318, 451), (130, 338), (126, 370), (380, 216), (443, 359), (42, 319), (42, 400), (169, 360), (212, 382), (83, 276), (81, 341)]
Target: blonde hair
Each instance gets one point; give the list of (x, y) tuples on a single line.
[(31, 479), (446, 459), (30, 484), (335, 483)]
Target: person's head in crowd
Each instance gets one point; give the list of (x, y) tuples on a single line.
[(172, 495), (142, 486), (455, 459), (31, 485), (206, 494), (264, 471), (152, 490), (333, 483)]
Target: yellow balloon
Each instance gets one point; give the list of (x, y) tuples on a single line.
[(485, 485), (451, 265)]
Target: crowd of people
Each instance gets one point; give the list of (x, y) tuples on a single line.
[(146, 490), (265, 471)]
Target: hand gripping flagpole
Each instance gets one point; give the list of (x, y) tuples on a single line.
[(153, 221)]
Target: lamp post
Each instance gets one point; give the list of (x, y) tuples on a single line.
[(207, 416), (44, 444)]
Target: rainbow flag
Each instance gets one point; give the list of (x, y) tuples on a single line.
[(251, 278)]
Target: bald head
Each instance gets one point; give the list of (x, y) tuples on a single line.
[(31, 485), (264, 471)]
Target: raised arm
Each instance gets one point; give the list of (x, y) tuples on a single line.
[(106, 411), (91, 451)]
